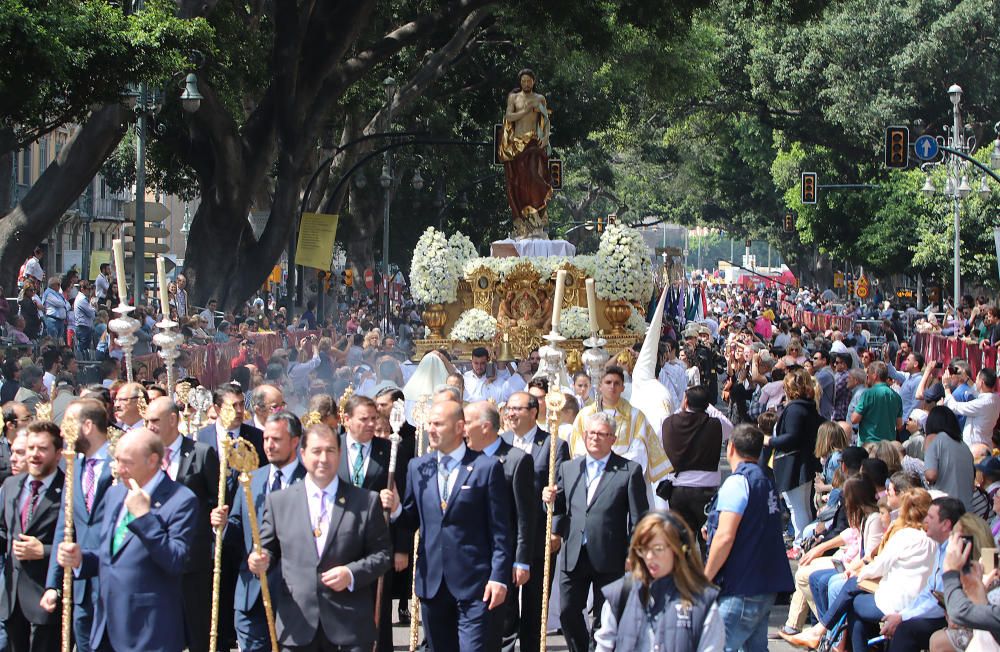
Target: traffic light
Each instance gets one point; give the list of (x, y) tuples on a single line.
[(556, 173), (349, 277), (897, 147), (809, 187), (789, 221), (600, 225)]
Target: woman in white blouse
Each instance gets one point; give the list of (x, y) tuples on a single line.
[(902, 568)]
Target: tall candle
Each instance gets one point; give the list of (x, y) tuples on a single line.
[(161, 280), (557, 301), (119, 254), (592, 304)]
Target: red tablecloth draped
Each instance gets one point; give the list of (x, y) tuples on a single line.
[(937, 347), (816, 321), (210, 362)]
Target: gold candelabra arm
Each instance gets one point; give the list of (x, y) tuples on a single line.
[(555, 400), (70, 432), (227, 416), (265, 591)]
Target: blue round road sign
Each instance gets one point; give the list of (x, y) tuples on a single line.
[(926, 148)]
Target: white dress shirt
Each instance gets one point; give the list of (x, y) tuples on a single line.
[(525, 442), (481, 388), (321, 520), (980, 414), (102, 456), (286, 473)]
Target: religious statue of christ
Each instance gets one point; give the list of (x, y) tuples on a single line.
[(524, 151)]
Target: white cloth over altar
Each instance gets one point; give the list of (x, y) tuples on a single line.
[(540, 248)]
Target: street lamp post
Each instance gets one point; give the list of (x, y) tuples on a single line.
[(958, 150), (389, 84), (147, 105)]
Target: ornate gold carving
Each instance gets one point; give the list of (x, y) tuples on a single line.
[(483, 282), (576, 280)]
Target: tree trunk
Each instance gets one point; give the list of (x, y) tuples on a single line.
[(60, 185)]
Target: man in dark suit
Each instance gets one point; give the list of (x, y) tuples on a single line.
[(460, 502), (402, 580), (92, 479), (30, 512), (365, 463), (15, 417), (231, 394), (482, 425), (196, 466), (149, 523), (282, 435), (599, 497), (332, 543), (522, 414)]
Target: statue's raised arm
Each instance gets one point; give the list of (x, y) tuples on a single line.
[(524, 151)]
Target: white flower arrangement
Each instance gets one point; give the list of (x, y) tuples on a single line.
[(623, 268), (574, 323), (463, 247), (474, 325), (544, 265), (435, 269), (636, 323)]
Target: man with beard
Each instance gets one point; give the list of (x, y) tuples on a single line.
[(92, 479)]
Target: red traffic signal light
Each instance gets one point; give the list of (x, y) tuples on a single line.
[(897, 147), (809, 187)]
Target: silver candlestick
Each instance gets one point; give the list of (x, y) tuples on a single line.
[(124, 327), (169, 342), (594, 360), (552, 359)]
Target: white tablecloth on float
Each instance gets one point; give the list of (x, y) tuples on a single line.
[(539, 248)]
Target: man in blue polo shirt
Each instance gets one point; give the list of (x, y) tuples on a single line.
[(746, 553)]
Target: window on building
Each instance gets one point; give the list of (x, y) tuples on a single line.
[(26, 166), (43, 154)]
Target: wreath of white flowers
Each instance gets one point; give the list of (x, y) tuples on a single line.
[(474, 325)]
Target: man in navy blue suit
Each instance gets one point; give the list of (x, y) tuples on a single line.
[(460, 501), (282, 434), (146, 535), (91, 480)]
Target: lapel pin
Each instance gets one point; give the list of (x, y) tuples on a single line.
[(157, 504), (342, 500), (469, 468)]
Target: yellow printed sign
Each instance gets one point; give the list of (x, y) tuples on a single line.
[(862, 289), (317, 233), (98, 258)]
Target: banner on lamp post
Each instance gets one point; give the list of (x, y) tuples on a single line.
[(317, 234)]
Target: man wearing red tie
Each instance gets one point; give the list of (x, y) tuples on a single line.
[(30, 511)]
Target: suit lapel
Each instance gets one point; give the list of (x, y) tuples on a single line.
[(605, 479), (377, 461), (187, 457), (464, 469), (336, 515), (52, 496)]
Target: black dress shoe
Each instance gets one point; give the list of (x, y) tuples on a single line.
[(404, 615)]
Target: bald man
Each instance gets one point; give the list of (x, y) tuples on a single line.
[(149, 523), (459, 500), (265, 401), (196, 466)]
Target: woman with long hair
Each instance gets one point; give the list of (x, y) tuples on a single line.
[(665, 602), (902, 567), (948, 462), (793, 444)]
